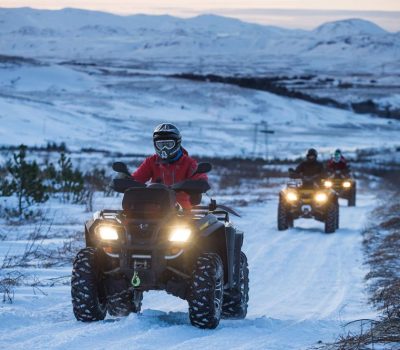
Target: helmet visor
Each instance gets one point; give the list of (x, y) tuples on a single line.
[(311, 157), (165, 144)]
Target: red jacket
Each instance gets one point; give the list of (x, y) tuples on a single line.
[(154, 169), (341, 165)]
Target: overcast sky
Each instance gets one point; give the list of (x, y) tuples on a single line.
[(286, 13)]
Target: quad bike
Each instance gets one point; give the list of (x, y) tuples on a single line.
[(153, 244), (304, 198), (344, 185)]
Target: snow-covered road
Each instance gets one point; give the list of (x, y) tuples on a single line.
[(304, 285)]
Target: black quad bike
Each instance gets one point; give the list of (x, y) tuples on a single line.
[(153, 244), (344, 185), (303, 197)]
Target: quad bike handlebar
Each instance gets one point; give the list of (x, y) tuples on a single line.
[(313, 179), (339, 174), (189, 186)]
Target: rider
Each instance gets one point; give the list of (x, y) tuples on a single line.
[(338, 163), (311, 167), (170, 164)]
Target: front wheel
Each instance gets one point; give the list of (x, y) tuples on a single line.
[(206, 291), (236, 300), (284, 218), (87, 291), (331, 217)]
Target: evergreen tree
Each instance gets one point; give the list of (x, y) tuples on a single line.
[(70, 180), (24, 180)]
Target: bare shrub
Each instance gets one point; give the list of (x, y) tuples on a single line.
[(382, 245), (8, 282)]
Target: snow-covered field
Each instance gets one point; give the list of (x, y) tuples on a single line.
[(304, 286), (117, 109)]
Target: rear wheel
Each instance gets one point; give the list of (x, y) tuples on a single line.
[(331, 217), (125, 302), (235, 301), (351, 202), (284, 219), (337, 216), (87, 291), (206, 291)]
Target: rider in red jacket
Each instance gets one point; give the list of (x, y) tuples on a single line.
[(170, 164), (338, 163)]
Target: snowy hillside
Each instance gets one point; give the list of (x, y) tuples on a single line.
[(116, 110), (208, 43)]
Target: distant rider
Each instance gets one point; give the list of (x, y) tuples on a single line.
[(170, 164), (310, 168), (338, 163)]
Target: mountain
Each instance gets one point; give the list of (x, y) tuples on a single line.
[(349, 27), (206, 43)]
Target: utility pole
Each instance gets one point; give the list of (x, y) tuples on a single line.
[(266, 131), (255, 139)]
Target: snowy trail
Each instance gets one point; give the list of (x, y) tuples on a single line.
[(304, 285)]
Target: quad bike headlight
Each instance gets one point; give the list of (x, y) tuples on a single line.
[(107, 232), (346, 184), (292, 196), (180, 234), (328, 183), (321, 197)]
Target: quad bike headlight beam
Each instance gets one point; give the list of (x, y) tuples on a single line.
[(107, 233), (292, 196), (328, 183), (321, 197), (180, 234), (346, 184)]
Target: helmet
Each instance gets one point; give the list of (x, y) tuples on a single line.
[(337, 156), (312, 154), (167, 141)]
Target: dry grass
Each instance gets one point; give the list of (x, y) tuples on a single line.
[(39, 255), (382, 246)]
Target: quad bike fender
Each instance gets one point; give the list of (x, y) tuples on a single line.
[(227, 242), (88, 236)]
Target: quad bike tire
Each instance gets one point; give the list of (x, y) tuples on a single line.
[(88, 294), (206, 291), (337, 217), (351, 202), (284, 219), (235, 301), (124, 302), (331, 217)]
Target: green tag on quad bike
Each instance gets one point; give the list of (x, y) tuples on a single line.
[(135, 280)]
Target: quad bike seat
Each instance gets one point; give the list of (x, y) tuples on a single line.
[(153, 202)]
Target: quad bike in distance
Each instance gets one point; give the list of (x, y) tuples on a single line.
[(303, 197), (153, 244), (344, 185)]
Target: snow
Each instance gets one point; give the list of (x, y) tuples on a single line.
[(44, 78), (389, 101), (349, 28), (117, 110), (219, 44), (101, 81), (304, 286)]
